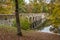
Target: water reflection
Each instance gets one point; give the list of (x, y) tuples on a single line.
[(46, 29), (50, 29)]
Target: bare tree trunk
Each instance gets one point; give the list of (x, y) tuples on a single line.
[(17, 18)]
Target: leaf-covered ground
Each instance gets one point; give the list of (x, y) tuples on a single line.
[(9, 33)]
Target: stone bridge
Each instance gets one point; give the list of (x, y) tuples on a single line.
[(35, 19)]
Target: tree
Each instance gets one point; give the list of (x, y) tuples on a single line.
[(22, 6), (36, 6), (17, 18), (6, 7), (55, 16)]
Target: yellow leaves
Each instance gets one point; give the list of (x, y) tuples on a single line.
[(51, 17), (55, 16), (8, 1), (7, 7)]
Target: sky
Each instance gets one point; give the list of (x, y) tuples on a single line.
[(47, 1), (27, 1)]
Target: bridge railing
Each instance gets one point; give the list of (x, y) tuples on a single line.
[(34, 19)]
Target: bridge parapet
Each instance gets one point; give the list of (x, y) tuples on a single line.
[(33, 18)]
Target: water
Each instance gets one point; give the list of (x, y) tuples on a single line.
[(46, 29)]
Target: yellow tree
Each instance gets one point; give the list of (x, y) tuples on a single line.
[(6, 7), (55, 16)]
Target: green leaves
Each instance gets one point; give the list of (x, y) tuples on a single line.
[(23, 22)]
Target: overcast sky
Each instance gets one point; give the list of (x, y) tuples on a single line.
[(47, 1), (27, 1)]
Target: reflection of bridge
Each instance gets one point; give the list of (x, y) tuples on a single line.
[(35, 19)]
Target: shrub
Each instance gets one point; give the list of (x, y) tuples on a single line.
[(23, 22)]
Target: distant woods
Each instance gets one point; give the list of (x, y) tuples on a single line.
[(34, 6)]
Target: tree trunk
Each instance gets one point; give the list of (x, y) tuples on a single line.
[(17, 18)]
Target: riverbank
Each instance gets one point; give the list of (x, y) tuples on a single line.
[(10, 34)]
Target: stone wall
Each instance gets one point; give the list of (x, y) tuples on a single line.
[(6, 19)]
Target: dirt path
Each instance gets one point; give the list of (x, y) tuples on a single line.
[(40, 36), (29, 36), (10, 34)]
